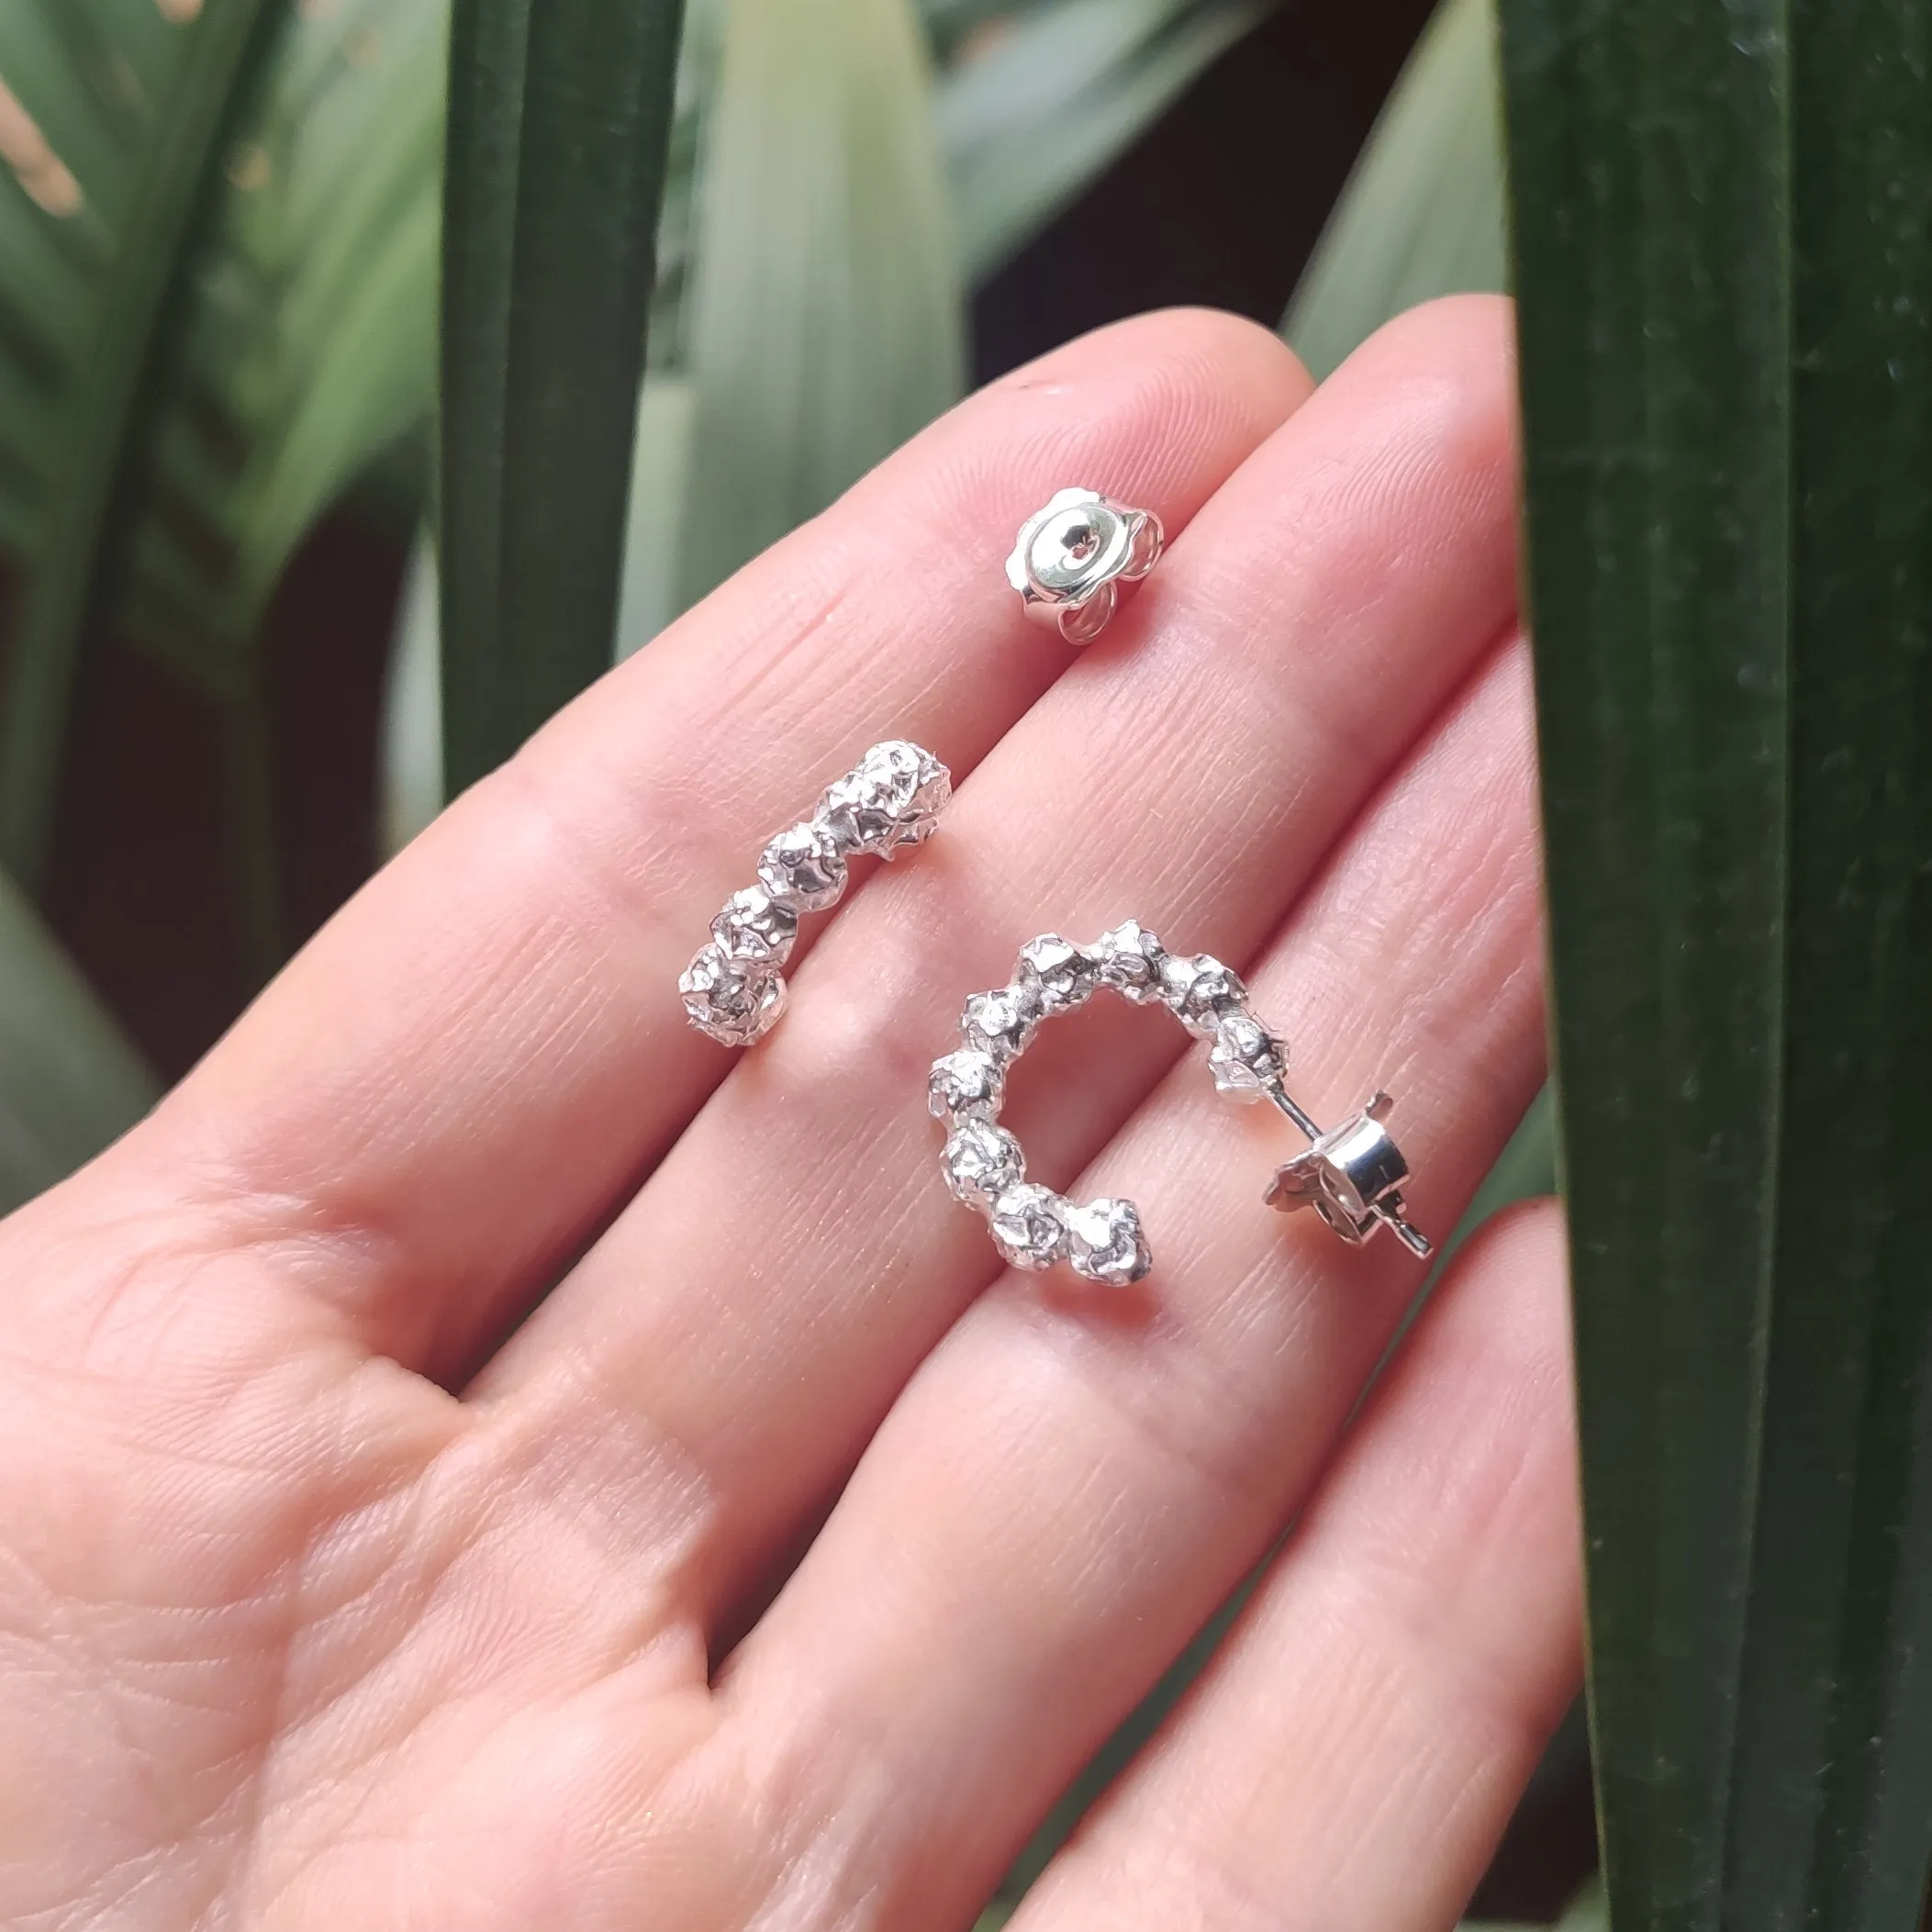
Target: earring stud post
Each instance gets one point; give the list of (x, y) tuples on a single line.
[(1411, 1237), (1280, 1097)]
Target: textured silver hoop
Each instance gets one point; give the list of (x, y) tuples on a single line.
[(1351, 1177), (734, 986), (1074, 557)]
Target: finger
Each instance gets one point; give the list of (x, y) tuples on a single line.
[(1067, 1489), (751, 1316), (1356, 1748), (434, 1105)]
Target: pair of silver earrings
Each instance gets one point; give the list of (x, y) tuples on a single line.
[(1073, 561)]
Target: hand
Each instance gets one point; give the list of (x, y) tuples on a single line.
[(480, 1456)]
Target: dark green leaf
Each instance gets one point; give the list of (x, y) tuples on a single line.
[(1651, 267), (559, 130), (69, 1082), (131, 111), (1833, 1801), (1727, 336)]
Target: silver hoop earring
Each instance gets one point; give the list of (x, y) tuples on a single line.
[(1074, 558), (734, 986), (1351, 1177)]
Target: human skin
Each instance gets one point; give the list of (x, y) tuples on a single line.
[(482, 1456)]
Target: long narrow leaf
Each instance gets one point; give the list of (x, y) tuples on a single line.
[(560, 121), (1648, 153), (827, 310), (1721, 226), (140, 200), (1832, 1800), (304, 346)]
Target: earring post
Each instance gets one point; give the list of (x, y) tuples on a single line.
[(1412, 1238), (1279, 1095)]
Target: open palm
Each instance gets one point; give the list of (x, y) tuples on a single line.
[(480, 1456)]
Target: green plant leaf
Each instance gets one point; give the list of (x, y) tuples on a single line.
[(826, 307), (118, 111), (1727, 346), (295, 348), (69, 1082), (411, 759), (559, 135), (1833, 1796), (1039, 110), (1422, 213), (1657, 500), (298, 351), (653, 534), (304, 348)]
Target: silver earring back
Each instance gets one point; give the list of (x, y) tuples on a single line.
[(1076, 556)]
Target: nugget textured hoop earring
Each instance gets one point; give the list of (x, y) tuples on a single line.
[(1074, 556), (1351, 1177), (735, 989)]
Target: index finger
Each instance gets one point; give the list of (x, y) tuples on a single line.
[(465, 1072)]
